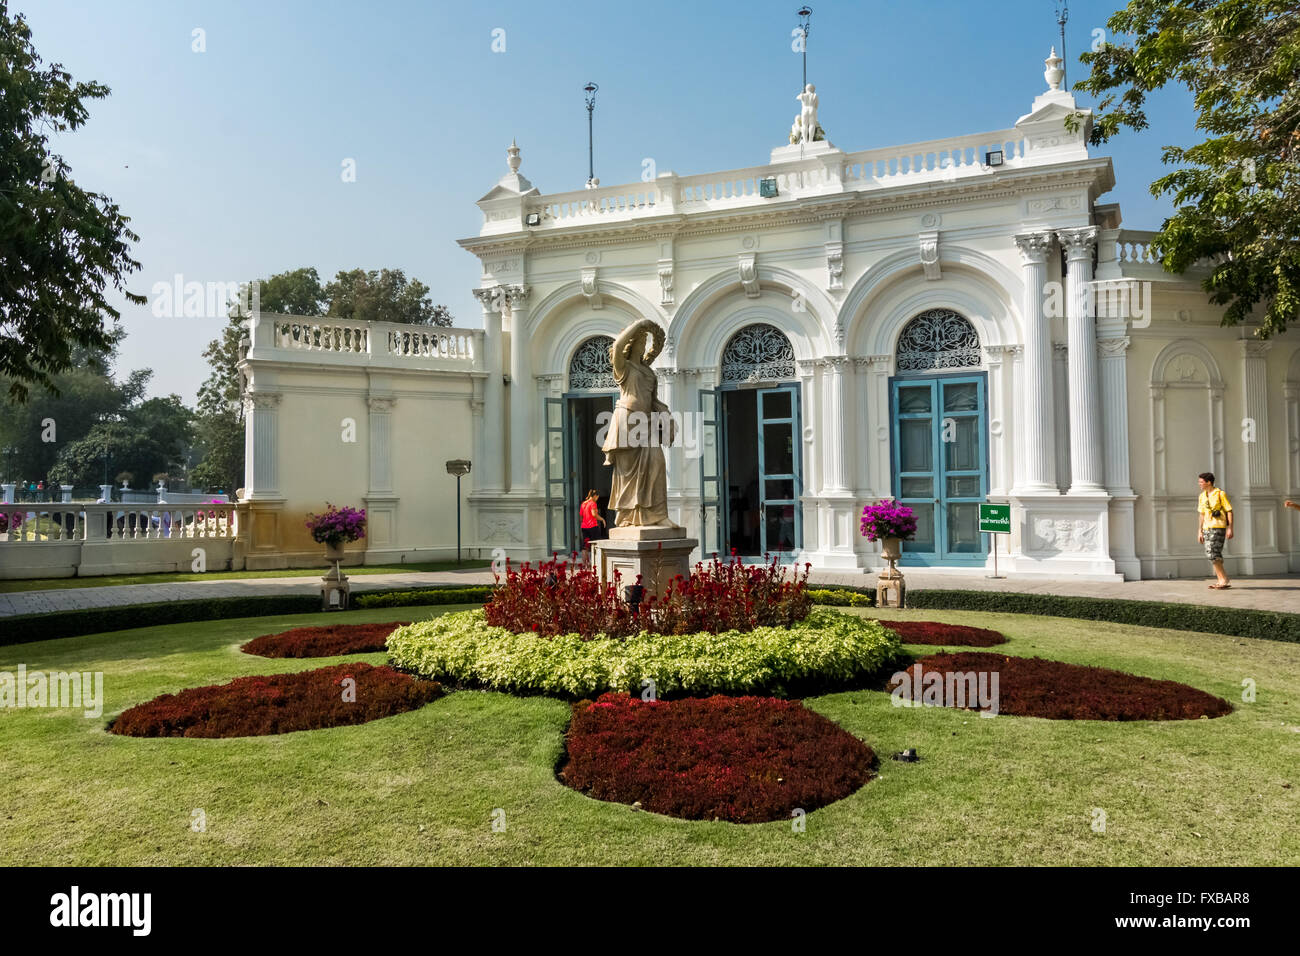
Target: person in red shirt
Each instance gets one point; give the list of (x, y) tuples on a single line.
[(591, 517)]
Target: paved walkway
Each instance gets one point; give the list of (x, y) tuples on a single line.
[(1270, 594)]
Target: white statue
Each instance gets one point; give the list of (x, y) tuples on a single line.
[(641, 426), (808, 114)]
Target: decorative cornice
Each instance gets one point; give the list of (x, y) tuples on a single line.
[(1078, 242), (1034, 247)]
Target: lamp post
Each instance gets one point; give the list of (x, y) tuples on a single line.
[(10, 451), (460, 468), (804, 14), (590, 89), (1062, 15)]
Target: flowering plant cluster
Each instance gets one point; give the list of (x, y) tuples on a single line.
[(888, 519), (328, 640), (5, 518), (934, 632), (337, 525), (826, 649), (740, 759), (1034, 687), (563, 597), (279, 704)]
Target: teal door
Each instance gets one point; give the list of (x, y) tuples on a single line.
[(710, 475), (940, 465), (558, 537), (778, 470)]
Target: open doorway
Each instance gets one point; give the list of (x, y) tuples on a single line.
[(761, 471), (585, 467)]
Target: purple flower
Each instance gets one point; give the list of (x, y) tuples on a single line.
[(337, 525), (888, 519)]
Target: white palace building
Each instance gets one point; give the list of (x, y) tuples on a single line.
[(945, 323)]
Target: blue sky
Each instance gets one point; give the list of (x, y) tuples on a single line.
[(228, 161)]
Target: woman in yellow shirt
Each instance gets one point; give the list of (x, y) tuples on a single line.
[(1214, 526)]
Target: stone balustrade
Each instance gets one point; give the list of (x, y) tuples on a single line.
[(935, 160), (277, 337), (75, 522), (1135, 246)]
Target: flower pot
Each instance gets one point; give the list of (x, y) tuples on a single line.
[(891, 549), (334, 552)]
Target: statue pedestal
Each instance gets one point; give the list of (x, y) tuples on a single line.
[(657, 554)]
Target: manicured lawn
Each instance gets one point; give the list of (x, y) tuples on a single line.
[(421, 787), (47, 584)]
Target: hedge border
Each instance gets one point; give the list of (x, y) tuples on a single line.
[(1201, 618), (23, 628)]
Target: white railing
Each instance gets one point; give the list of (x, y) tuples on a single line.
[(115, 522), (891, 166), (321, 335), (606, 202), (933, 159), (1134, 246), (430, 343), (461, 348)]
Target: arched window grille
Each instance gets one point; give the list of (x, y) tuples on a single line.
[(590, 368), (757, 353), (938, 339)]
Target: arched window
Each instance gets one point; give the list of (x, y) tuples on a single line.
[(590, 368), (938, 339), (757, 353)]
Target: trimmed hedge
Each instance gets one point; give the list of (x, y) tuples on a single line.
[(827, 648), (423, 597), (43, 627), (1263, 625), (1234, 622)]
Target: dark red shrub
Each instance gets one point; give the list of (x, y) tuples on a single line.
[(327, 641), (1034, 687), (740, 759), (933, 632), (560, 597), (279, 704)]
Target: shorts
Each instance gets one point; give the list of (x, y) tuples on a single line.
[(1214, 538)]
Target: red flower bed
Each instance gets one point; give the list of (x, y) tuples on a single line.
[(1034, 687), (327, 641), (933, 632), (740, 759), (559, 597), (279, 704)]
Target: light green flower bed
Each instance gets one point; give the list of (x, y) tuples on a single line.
[(826, 647)]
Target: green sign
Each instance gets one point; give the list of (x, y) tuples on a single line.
[(995, 519)]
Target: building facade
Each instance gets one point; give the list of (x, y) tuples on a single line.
[(945, 323)]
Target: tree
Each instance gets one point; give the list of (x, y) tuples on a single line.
[(384, 296), (66, 410), (1237, 194), (131, 455), (60, 246)]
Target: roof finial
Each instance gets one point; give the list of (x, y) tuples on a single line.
[(1053, 74), (512, 156)]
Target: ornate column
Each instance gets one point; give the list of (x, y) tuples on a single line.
[(668, 394), (835, 432), (491, 471), (1113, 345), (381, 472), (1114, 407), (261, 444), (1001, 398), (1061, 397), (1038, 434), (525, 423), (381, 503), (1256, 528), (1087, 469)]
